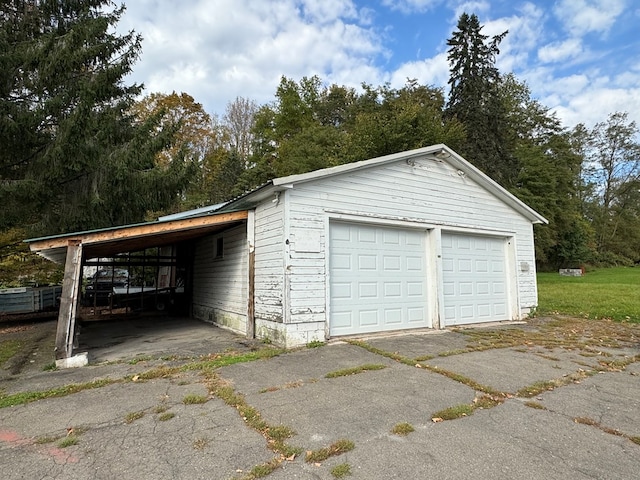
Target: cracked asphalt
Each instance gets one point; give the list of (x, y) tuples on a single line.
[(567, 408)]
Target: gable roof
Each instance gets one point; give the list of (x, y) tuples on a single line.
[(441, 152)]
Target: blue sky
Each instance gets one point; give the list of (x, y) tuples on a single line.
[(581, 58)]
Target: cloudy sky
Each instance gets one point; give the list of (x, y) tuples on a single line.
[(581, 58)]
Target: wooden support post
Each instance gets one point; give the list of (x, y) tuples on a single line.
[(69, 301)]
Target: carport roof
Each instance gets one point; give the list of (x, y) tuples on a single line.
[(106, 242)]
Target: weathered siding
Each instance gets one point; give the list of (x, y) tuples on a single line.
[(269, 268), (220, 285), (427, 192)]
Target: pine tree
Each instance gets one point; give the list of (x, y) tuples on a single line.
[(474, 99), (71, 155)]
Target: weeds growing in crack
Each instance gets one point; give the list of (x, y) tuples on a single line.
[(296, 384), (274, 434), (548, 385), (262, 470), (223, 360), (464, 380), (133, 416), (28, 397), (611, 431), (402, 429), (354, 370), (451, 413), (483, 402), (337, 448), (392, 355), (68, 441), (341, 470), (193, 399)]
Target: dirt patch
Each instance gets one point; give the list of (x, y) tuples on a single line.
[(37, 342)]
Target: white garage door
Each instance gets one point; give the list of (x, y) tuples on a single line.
[(474, 279), (378, 279)]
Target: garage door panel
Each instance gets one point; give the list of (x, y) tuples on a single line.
[(369, 318), (417, 316), (392, 263), (342, 290), (367, 262), (341, 262), (474, 279), (393, 316), (368, 290), (388, 280)]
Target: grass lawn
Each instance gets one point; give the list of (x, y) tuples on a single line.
[(605, 293)]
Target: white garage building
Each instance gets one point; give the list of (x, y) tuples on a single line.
[(418, 239)]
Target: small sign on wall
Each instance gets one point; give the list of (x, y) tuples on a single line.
[(308, 241)]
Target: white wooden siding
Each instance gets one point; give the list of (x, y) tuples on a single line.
[(220, 286), (429, 192), (269, 267)]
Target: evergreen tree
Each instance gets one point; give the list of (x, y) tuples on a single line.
[(71, 154), (475, 101)]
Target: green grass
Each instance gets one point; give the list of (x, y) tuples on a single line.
[(68, 441), (402, 429), (452, 413), (193, 399), (28, 397), (341, 470), (612, 293), (8, 349), (133, 416)]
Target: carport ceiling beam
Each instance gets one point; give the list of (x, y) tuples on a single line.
[(139, 231)]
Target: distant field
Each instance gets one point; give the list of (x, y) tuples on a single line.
[(606, 293)]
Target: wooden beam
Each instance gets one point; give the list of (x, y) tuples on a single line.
[(69, 301), (127, 232)]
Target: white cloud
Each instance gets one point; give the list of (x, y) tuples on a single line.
[(328, 10), (560, 51), (525, 30), (431, 71), (584, 16), (594, 105), (411, 6), (218, 49)]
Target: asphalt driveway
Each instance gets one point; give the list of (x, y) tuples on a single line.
[(551, 399)]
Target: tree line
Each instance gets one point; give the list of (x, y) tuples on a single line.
[(79, 149)]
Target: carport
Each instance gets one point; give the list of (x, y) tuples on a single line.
[(75, 250)]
